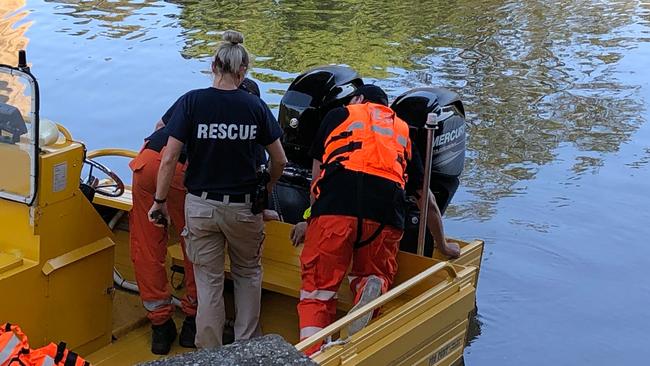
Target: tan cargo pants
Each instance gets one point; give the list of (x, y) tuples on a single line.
[(209, 226)]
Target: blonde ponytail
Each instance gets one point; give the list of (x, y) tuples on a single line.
[(231, 55)]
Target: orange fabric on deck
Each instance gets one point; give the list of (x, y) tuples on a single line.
[(149, 242), (14, 346), (325, 258), (55, 355)]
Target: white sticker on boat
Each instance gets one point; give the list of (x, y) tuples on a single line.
[(60, 176)]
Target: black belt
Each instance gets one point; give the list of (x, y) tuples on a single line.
[(225, 198)]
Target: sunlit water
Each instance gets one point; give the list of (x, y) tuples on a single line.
[(557, 180)]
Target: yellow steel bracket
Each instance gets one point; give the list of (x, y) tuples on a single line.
[(76, 255)]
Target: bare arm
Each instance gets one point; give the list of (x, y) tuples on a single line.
[(165, 176), (160, 124), (434, 224), (278, 161), (434, 219), (315, 173)]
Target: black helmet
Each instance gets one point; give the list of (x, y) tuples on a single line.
[(250, 86), (309, 97)]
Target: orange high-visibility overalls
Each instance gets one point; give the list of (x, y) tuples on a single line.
[(372, 140), (149, 242), (14, 347), (56, 355)]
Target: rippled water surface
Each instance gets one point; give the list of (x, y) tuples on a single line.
[(557, 180)]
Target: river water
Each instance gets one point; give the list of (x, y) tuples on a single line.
[(557, 178)]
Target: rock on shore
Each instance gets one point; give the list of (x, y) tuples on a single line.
[(269, 350)]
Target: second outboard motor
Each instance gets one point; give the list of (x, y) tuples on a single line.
[(448, 157), (309, 97)]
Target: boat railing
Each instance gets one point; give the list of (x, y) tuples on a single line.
[(112, 152), (341, 325)]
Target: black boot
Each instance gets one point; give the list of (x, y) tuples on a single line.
[(228, 335), (162, 337), (188, 332)]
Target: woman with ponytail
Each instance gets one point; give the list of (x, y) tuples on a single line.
[(221, 127)]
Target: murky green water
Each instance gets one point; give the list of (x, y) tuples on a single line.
[(557, 180)]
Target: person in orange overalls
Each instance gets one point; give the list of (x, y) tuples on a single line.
[(358, 207), (149, 245), (149, 242)]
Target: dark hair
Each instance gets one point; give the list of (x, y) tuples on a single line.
[(372, 93)]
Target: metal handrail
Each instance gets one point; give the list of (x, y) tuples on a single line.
[(64, 131), (342, 323), (112, 152), (67, 137)]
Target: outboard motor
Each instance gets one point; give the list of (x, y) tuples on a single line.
[(448, 158), (309, 97)]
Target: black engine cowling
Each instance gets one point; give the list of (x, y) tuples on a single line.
[(309, 97), (448, 158)]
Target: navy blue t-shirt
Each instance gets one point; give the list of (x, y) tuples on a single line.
[(158, 139), (222, 131)]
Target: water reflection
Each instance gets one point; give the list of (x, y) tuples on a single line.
[(292, 36), (12, 39), (113, 19), (535, 75)]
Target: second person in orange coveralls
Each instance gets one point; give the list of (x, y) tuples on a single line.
[(360, 163), (149, 244)]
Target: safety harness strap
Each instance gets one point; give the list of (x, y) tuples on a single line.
[(60, 352), (358, 243), (71, 359), (371, 238)]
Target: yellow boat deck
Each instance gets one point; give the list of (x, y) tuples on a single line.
[(133, 338), (281, 282), (132, 330)]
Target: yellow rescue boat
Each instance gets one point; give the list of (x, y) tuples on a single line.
[(62, 257)]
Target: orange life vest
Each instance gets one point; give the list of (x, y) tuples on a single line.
[(56, 355), (371, 140), (14, 347)]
